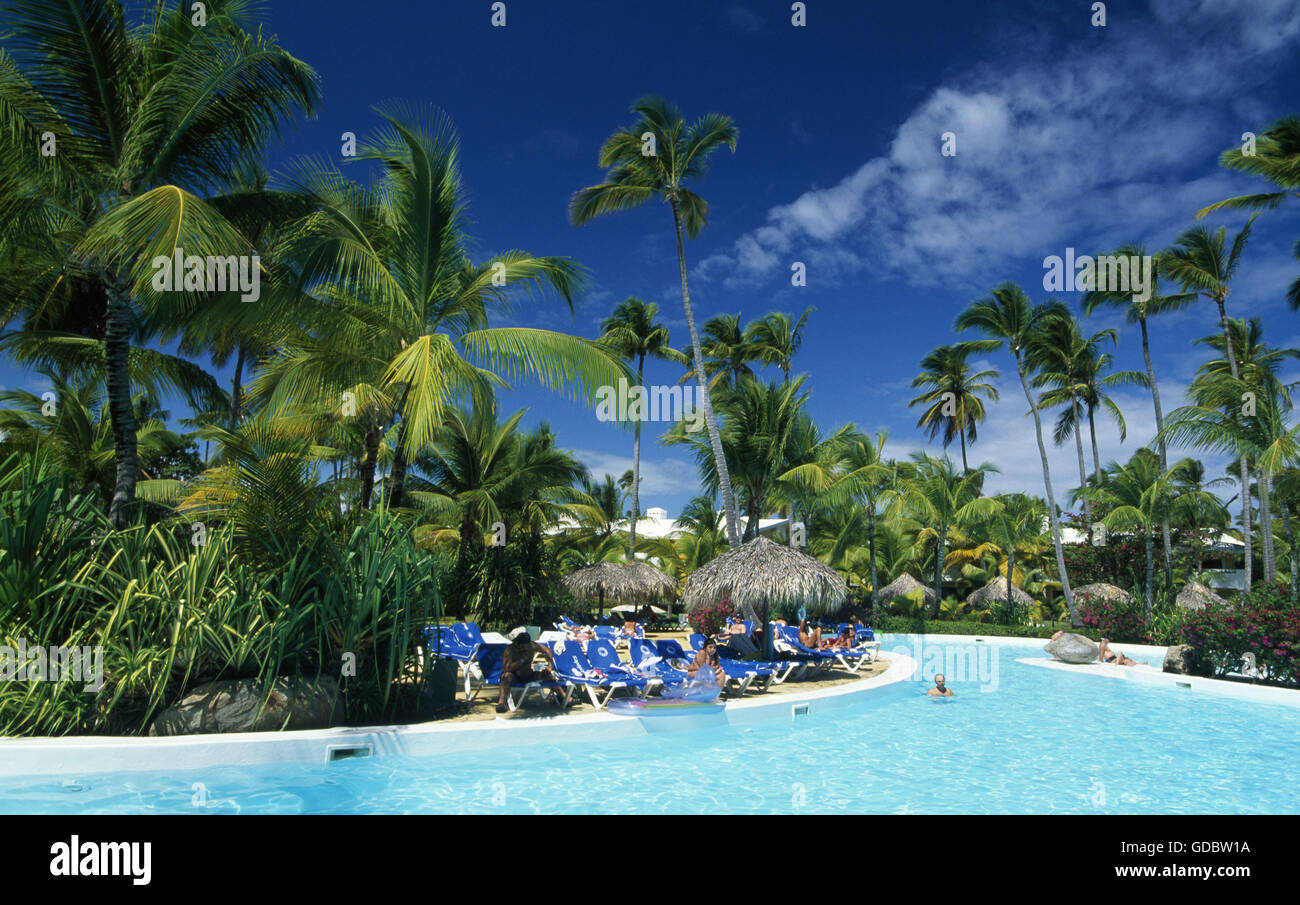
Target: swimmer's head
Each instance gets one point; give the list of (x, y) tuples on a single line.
[(938, 680)]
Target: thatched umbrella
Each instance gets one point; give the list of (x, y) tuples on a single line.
[(1102, 591), (761, 574), (901, 586), (1196, 596), (632, 582), (996, 590)]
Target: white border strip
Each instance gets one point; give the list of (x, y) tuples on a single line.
[(46, 757), (1150, 675)]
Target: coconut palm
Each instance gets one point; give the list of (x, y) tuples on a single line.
[(867, 480), (1139, 311), (1286, 484), (1199, 262), (399, 314), (728, 353), (635, 335), (150, 120), (1007, 316), (658, 157), (1276, 158), (1014, 529), (940, 498), (1211, 519), (953, 391), (777, 338)]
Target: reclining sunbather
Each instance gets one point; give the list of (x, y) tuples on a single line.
[(809, 637), (517, 666), (1109, 654)]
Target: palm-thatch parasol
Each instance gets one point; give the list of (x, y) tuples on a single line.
[(901, 586), (1102, 591), (1196, 596), (632, 582), (761, 574), (996, 590)]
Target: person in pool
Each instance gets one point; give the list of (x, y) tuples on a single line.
[(1109, 654), (940, 689), (708, 656), (517, 666)]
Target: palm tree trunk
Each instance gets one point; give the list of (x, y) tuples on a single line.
[(1266, 527), (237, 388), (1246, 527), (1055, 521), (965, 469), (938, 571), (117, 351), (715, 441), (1290, 539), (1011, 602), (871, 555), (1151, 571), (1083, 469), (636, 474), (368, 465), (397, 476), (1164, 462)]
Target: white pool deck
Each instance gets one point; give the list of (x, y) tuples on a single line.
[(80, 756)]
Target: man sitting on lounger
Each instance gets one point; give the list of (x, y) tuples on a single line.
[(940, 689), (809, 637), (517, 665), (1109, 654), (708, 656)]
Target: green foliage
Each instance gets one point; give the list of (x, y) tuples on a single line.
[(903, 625), (1262, 623)]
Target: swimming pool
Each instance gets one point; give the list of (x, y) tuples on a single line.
[(1034, 741)]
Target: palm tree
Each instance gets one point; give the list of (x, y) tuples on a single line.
[(658, 156), (399, 314), (1200, 519), (778, 339), (953, 393), (727, 353), (1014, 529), (940, 498), (1139, 311), (1007, 316), (633, 333), (1198, 262), (148, 118), (867, 479), (1276, 158), (1286, 484), (1140, 496)]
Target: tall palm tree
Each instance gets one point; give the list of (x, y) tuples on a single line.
[(1213, 516), (1007, 316), (150, 119), (635, 335), (953, 391), (867, 480), (1276, 158), (941, 498), (728, 353), (1199, 262), (398, 312), (1139, 311), (657, 157), (778, 339), (1015, 529)]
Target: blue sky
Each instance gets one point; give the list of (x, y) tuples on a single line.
[(1067, 135)]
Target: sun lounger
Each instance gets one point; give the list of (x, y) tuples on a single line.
[(742, 672), (441, 642), (648, 658), (602, 656), (572, 665), (486, 669)]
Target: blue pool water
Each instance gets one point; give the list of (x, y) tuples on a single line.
[(1036, 741)]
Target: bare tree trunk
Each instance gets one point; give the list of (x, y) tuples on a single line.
[(1246, 527), (1083, 469), (871, 554), (965, 468), (1075, 619), (1266, 527), (1146, 532), (636, 474), (117, 352), (938, 571), (373, 436), (237, 389), (715, 440)]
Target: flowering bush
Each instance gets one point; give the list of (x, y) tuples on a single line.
[(709, 619), (1115, 619), (1262, 623)]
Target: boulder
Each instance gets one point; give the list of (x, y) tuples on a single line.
[(236, 705), (1182, 659), (1072, 648)]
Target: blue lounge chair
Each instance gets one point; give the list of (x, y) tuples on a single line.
[(852, 659), (440, 642), (742, 672), (573, 667), (647, 657), (602, 656), (486, 668)]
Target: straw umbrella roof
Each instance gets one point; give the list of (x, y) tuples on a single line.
[(634, 582), (762, 574), (1196, 596), (902, 585), (1102, 591), (997, 590)]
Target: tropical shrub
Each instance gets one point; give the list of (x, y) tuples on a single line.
[(709, 619), (1116, 619), (1262, 623), (906, 626)]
